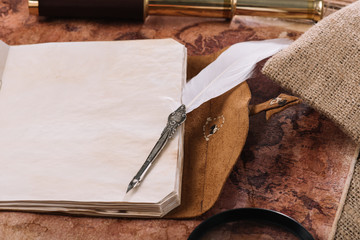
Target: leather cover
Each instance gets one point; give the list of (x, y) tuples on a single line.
[(207, 164), (210, 158)]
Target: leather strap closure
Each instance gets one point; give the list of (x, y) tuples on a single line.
[(274, 105)]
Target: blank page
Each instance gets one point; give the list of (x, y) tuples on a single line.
[(79, 119)]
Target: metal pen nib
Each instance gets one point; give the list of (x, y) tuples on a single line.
[(175, 119), (132, 184)]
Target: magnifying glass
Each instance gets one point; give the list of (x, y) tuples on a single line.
[(250, 224)]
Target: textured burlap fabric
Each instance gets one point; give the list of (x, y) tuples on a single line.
[(323, 68), (349, 223)]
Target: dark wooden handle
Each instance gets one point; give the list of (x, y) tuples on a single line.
[(123, 9)]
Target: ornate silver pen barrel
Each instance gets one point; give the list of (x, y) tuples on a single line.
[(140, 9), (175, 119)]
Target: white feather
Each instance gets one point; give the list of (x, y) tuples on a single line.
[(231, 68)]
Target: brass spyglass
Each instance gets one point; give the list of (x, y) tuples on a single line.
[(296, 9)]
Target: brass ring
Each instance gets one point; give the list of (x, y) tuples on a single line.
[(233, 8), (34, 7), (146, 8), (318, 10)]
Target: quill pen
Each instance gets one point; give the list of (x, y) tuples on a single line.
[(231, 68)]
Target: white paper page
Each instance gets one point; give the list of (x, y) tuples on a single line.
[(4, 50), (78, 119)]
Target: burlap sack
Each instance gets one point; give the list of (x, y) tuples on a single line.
[(323, 68)]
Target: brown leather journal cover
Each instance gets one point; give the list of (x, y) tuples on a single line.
[(208, 163), (215, 134)]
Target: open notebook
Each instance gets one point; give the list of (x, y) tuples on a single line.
[(79, 119)]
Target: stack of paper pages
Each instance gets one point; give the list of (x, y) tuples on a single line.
[(79, 119)]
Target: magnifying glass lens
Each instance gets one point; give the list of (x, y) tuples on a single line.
[(249, 230)]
